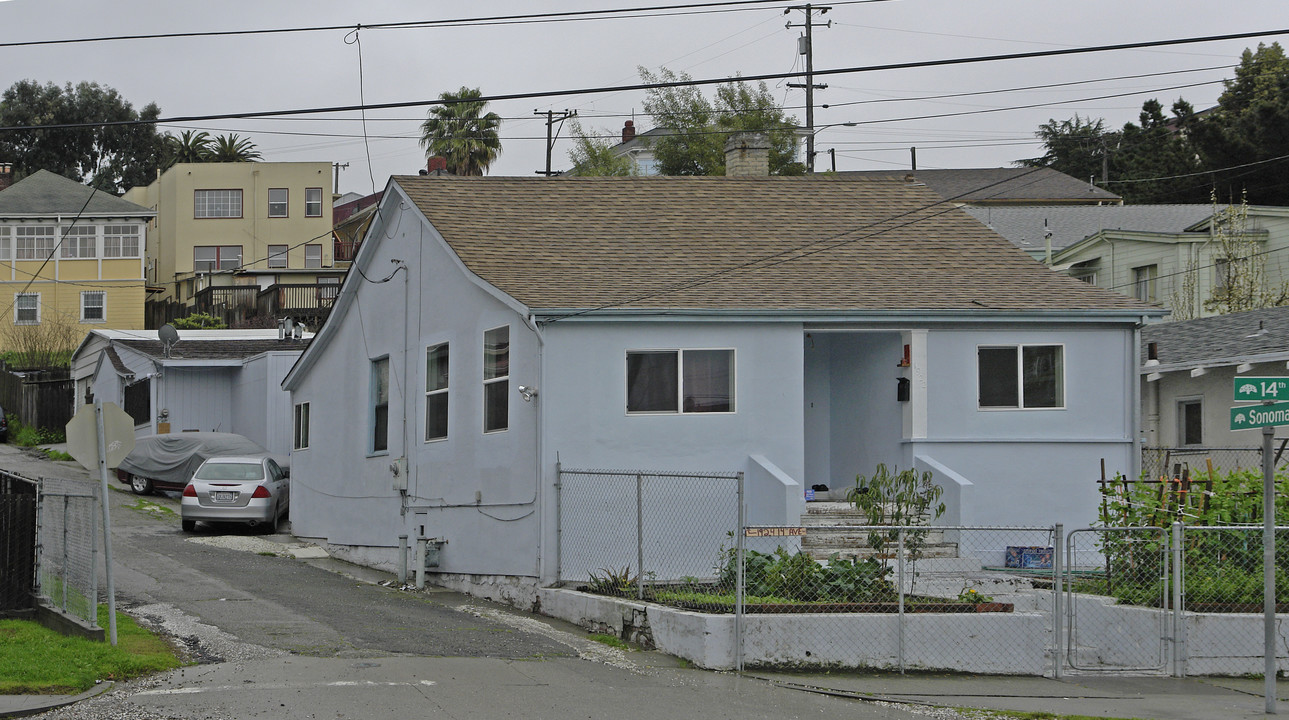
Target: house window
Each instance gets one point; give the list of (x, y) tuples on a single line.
[(684, 381), (26, 309), (496, 379), (121, 241), (1190, 422), (380, 405), (138, 402), (92, 306), (217, 203), (436, 392), (277, 256), (6, 244), (313, 202), (300, 436), (34, 242), (277, 202), (313, 256), (1022, 376), (208, 258), (1144, 280), (80, 241)]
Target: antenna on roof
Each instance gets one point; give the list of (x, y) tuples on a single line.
[(168, 336)]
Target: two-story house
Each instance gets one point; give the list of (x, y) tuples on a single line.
[(242, 239), (71, 259)]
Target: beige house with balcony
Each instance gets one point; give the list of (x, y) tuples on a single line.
[(239, 238)]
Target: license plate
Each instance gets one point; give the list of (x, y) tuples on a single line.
[(225, 497)]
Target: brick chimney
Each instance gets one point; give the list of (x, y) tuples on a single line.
[(437, 165), (747, 155), (628, 131), (6, 175)]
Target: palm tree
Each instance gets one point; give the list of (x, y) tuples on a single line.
[(231, 148), (459, 131), (189, 147)]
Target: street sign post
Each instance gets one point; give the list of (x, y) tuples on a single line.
[(99, 436), (1267, 416)]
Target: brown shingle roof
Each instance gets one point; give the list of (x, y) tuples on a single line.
[(1003, 186), (737, 244)]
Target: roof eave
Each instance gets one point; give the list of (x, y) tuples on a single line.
[(548, 315)]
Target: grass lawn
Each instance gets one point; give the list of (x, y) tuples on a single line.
[(37, 661)]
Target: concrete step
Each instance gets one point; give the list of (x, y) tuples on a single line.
[(946, 551), (841, 513), (820, 537)]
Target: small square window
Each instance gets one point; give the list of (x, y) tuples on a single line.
[(1021, 376), (278, 202), (26, 309), (1190, 422)]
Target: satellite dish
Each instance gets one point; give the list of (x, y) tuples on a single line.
[(168, 336)]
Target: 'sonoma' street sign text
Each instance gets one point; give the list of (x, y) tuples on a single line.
[(1256, 416)]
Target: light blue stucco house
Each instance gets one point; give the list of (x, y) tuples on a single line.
[(800, 330)]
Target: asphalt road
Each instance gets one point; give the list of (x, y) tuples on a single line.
[(275, 636)]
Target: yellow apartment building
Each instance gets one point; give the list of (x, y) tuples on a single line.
[(255, 224), (71, 260)]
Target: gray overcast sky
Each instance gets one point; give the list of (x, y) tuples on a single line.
[(270, 72)]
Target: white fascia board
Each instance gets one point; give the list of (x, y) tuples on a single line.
[(842, 320)]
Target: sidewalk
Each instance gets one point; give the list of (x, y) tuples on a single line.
[(1110, 696), (20, 705)]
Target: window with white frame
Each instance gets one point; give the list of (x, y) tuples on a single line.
[(278, 202), (1190, 421), (93, 306), (300, 434), (26, 309), (1021, 377), (80, 241), (313, 256), (277, 256), (380, 405), (313, 202), (6, 243), (436, 392), (33, 242), (496, 379), (1144, 281), (680, 381), (217, 203), (208, 258), (121, 241)]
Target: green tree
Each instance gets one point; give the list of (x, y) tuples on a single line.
[(1155, 162), (699, 127), (1075, 147), (190, 146), (108, 156), (460, 131), (231, 148), (593, 156), (1249, 126)]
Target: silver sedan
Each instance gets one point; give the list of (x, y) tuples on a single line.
[(246, 489)]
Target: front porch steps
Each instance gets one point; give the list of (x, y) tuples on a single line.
[(829, 530)]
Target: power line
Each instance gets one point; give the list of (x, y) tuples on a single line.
[(671, 84)]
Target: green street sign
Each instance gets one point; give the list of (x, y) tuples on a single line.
[(1256, 416), (1261, 388)]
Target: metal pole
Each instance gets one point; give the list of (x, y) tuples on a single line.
[(62, 570), (402, 559), (639, 537), (107, 521), (899, 562), (420, 563), (559, 520), (93, 570), (1179, 621), (1058, 590), (739, 579), (1269, 569)]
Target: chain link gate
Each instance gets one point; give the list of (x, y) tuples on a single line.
[(1108, 563), (67, 532)]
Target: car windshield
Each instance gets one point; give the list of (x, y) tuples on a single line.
[(230, 471)]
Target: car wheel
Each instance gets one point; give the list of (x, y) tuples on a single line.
[(188, 525), (140, 485), (277, 521)]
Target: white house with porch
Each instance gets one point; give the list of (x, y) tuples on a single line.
[(798, 330)]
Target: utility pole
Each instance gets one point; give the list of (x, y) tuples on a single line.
[(551, 135), (335, 187), (805, 47)]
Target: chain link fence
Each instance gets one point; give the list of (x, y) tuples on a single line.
[(1118, 599), (17, 541), (67, 528), (1175, 463), (649, 535)]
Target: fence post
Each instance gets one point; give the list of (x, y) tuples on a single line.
[(739, 579), (559, 521), (402, 559), (63, 570), (899, 564), (93, 598), (40, 550), (1179, 620), (639, 537), (1058, 592)]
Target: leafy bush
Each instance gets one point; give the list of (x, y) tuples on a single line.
[(29, 436), (198, 321)]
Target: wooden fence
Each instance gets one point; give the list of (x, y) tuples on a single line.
[(40, 398)]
